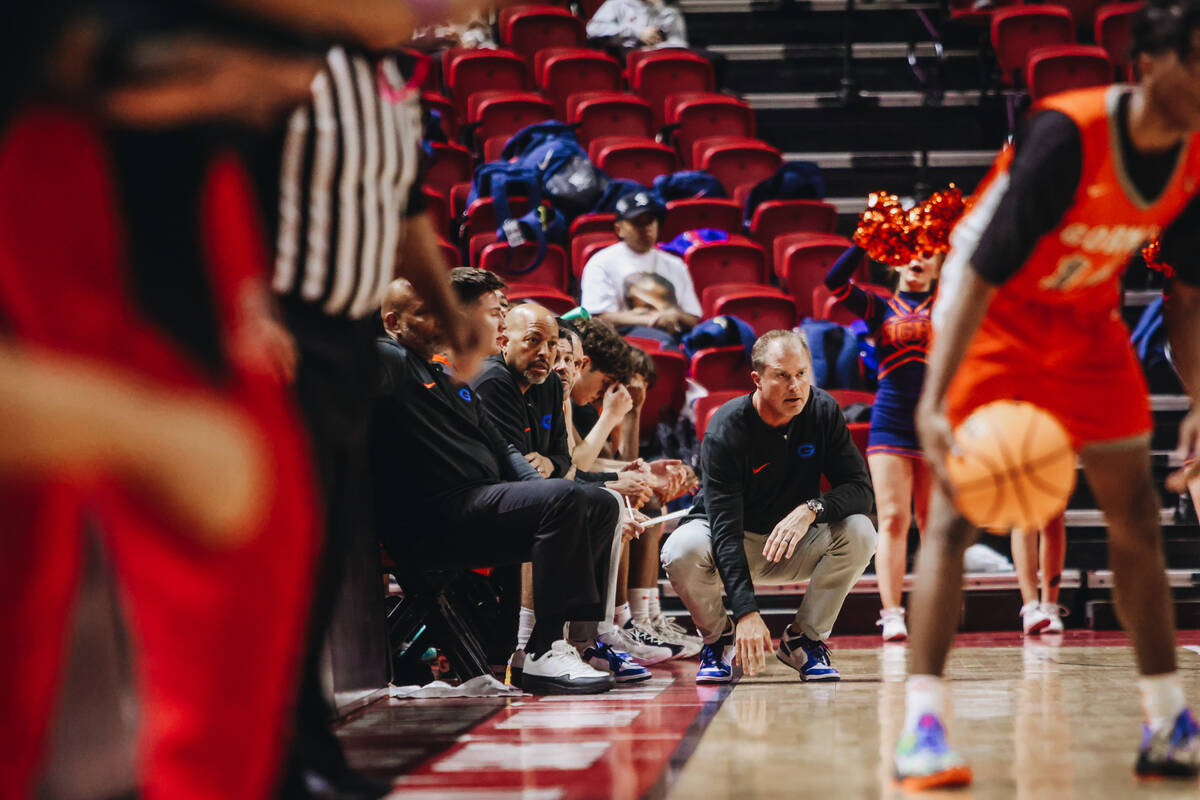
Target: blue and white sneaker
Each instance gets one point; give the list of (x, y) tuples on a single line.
[(809, 658), (716, 661), (1171, 751), (622, 666), (923, 760)]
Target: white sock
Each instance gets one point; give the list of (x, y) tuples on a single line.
[(639, 603), (655, 603), (923, 694), (1162, 699), (623, 615), (524, 627)]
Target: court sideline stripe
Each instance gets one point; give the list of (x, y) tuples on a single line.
[(687, 745)]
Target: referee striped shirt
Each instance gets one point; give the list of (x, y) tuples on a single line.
[(348, 179)]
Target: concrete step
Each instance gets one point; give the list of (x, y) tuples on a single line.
[(723, 22)]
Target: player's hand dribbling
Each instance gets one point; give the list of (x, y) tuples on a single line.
[(752, 640), (937, 442), (1189, 448)]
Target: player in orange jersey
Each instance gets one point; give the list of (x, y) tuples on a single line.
[(1029, 309)]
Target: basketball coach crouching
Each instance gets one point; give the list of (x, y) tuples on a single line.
[(761, 519)]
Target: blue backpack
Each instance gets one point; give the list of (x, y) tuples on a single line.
[(685, 185), (724, 331), (569, 180), (689, 239), (834, 354), (795, 180), (1149, 339), (498, 180)]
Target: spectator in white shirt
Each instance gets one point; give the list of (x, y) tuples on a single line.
[(606, 282), (634, 24)]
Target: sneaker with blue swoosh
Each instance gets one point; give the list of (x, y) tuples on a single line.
[(923, 759), (622, 666), (809, 658), (716, 661), (1170, 751)]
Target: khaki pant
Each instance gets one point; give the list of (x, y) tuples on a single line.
[(830, 557)]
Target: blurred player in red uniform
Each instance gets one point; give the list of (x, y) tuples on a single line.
[(1029, 309)]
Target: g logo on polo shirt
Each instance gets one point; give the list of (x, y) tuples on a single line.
[(465, 394), (806, 450), (546, 420)]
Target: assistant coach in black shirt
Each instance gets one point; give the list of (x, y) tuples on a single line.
[(761, 518)]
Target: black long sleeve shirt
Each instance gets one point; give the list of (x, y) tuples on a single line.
[(755, 475), (533, 421), (430, 437)]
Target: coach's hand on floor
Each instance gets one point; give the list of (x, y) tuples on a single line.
[(753, 641), (788, 533)]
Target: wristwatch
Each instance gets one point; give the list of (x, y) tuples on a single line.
[(816, 506)]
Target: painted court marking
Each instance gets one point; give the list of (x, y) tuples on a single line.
[(503, 757), (569, 720)]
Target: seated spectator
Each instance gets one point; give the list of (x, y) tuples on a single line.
[(451, 492), (474, 32), (625, 25), (603, 284), (761, 518)]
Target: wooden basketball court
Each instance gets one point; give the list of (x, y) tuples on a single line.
[(1055, 717)]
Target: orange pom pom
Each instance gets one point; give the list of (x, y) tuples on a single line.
[(1152, 253), (893, 236)]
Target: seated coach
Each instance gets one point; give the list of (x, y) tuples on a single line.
[(449, 491), (761, 518)]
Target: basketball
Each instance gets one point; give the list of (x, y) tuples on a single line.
[(1016, 469)]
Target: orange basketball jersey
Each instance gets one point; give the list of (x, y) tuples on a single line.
[(1053, 333)]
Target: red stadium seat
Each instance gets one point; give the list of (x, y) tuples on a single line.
[(774, 218), (736, 162), (450, 164), (476, 243), (848, 397), (468, 71), (1083, 12), (785, 240), (609, 114), (1062, 67), (859, 432), (439, 208), (1113, 34), (640, 160), (803, 262), (643, 343), (703, 115), (459, 194), (665, 398), (505, 113), (510, 263), (527, 29), (712, 294), (706, 406), (557, 301), (826, 307), (493, 146), (762, 310), (482, 217), (586, 245), (562, 72), (592, 223), (700, 212), (736, 261), (442, 105), (453, 259), (722, 369), (655, 74), (1018, 30)]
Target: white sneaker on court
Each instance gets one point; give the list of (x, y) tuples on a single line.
[(1054, 612), (560, 670), (671, 632), (892, 622), (1034, 619), (643, 652)]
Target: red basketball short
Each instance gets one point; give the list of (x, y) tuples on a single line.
[(1095, 388)]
